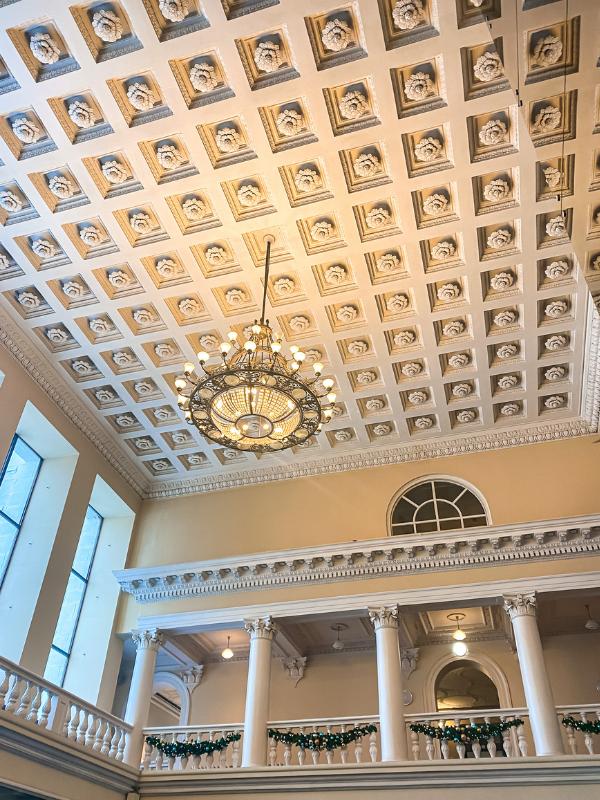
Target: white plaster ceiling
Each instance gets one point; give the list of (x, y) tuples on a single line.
[(415, 342)]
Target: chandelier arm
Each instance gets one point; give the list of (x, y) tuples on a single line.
[(267, 265)]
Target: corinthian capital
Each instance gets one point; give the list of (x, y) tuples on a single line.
[(260, 627), (384, 617), (520, 605), (147, 640)]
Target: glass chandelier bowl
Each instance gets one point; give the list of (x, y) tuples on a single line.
[(256, 399), (458, 635)]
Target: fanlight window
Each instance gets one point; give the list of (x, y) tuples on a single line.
[(437, 505)]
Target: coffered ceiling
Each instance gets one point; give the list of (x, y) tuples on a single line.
[(420, 251)]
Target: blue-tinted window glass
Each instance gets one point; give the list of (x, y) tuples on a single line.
[(69, 613), (87, 542)]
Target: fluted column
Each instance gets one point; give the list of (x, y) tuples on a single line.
[(254, 748), (545, 729), (389, 684), (140, 691)]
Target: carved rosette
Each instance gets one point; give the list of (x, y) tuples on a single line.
[(520, 605), (260, 628), (147, 640), (384, 617)]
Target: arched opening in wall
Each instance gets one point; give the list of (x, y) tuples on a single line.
[(464, 685), (170, 702), (437, 504)]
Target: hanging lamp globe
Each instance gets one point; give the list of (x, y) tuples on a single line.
[(256, 399)]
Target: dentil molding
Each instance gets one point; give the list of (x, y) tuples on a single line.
[(390, 556)]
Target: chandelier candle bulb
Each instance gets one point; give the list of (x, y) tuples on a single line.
[(180, 383), (232, 336), (188, 368), (328, 383), (203, 356), (318, 368)]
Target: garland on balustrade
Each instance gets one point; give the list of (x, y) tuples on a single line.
[(322, 741), (196, 747), (466, 733), (580, 725)]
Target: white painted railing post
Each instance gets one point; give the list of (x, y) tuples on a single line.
[(545, 729), (140, 693), (254, 746), (389, 684)]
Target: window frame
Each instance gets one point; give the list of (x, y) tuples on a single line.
[(18, 524)]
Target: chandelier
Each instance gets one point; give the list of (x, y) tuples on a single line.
[(256, 399)]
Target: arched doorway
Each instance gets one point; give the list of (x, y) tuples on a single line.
[(464, 685)]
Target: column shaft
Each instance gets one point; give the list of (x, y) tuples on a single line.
[(389, 685), (140, 692), (254, 748)]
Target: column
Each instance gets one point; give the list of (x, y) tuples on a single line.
[(254, 748), (140, 692), (545, 729), (392, 731)]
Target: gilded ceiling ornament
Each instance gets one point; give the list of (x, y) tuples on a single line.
[(448, 292), (161, 465), (144, 317), (105, 395), (358, 347), (174, 10), (228, 140), (25, 130), (290, 122), (336, 35), (29, 299), (428, 149), (555, 373), (397, 302), (411, 369), (313, 355), (141, 96), (366, 376), (215, 255), (378, 217), (505, 351), (236, 297), (496, 190), (404, 338), (552, 177), (418, 86), (466, 415), (547, 119), (82, 367), (557, 227), (203, 77), (119, 279), (435, 204), (353, 105), (43, 248), (488, 67), (284, 286), (195, 459), (556, 308), (181, 437), (101, 326), (140, 223), (299, 323), (462, 390), (441, 251), (507, 382), (165, 350), (189, 306), (268, 56), (423, 423), (557, 269), (547, 51), (493, 132), (194, 208), (162, 414), (123, 358), (82, 114), (502, 281), (499, 238), (418, 397), (382, 429), (375, 404), (125, 420), (10, 202), (505, 318), (554, 401), (91, 236), (509, 409), (307, 180), (44, 48), (347, 313), (169, 156), (321, 231), (61, 187), (388, 262), (366, 164), (453, 328), (114, 171), (107, 25), (144, 443), (250, 195), (343, 435), (459, 360), (73, 289), (209, 341), (407, 14)]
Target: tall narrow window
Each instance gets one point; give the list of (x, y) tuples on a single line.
[(70, 611), (17, 479)]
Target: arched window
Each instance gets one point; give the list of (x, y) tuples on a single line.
[(437, 505), (463, 684)]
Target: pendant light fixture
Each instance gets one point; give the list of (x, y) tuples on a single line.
[(459, 648), (591, 624), (227, 653), (338, 644)]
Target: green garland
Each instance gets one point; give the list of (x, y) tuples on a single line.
[(580, 725), (466, 733), (197, 747), (322, 741)]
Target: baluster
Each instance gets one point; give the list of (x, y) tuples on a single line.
[(14, 695), (146, 756), (25, 701), (343, 748), (491, 747), (4, 684), (287, 751), (272, 752), (476, 747), (99, 737), (183, 762), (571, 739), (315, 755), (46, 708), (373, 747), (429, 747), (358, 748), (235, 753), (90, 734), (106, 739), (121, 745), (522, 741), (506, 742), (72, 722), (414, 745), (32, 716), (445, 747), (223, 753), (114, 743), (82, 727), (170, 761)]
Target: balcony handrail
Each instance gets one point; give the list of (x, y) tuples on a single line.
[(294, 723), (464, 713), (61, 693), (217, 726), (579, 707)]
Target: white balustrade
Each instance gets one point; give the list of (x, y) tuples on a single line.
[(228, 758), (578, 742), (33, 701), (365, 750)]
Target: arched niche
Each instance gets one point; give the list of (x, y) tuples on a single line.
[(172, 682), (483, 663)]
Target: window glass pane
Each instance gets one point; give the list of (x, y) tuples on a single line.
[(426, 527), (427, 511), (447, 510), (87, 542), (421, 493), (8, 536), (69, 613), (56, 667), (18, 479), (447, 491), (469, 505), (474, 522), (400, 529), (450, 524), (403, 511)]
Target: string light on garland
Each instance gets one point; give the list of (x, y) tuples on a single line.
[(256, 399), (197, 747), (466, 733), (581, 725), (322, 741)]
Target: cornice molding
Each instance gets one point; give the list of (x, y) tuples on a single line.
[(387, 557), (39, 368)]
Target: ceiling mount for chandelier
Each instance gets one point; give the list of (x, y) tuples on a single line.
[(256, 400)]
